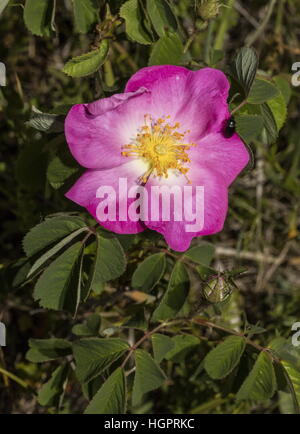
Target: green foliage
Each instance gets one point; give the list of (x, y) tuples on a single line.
[(46, 122), (110, 261), (167, 50), (162, 16), (3, 4), (89, 328), (261, 91), (43, 350), (261, 382), (87, 63), (50, 231), (85, 14), (132, 13), (51, 391), (243, 68), (224, 358), (149, 272), (162, 344), (55, 289), (148, 376), (39, 16), (95, 355), (175, 294), (133, 308), (271, 130), (183, 345), (111, 397), (249, 127), (201, 254)]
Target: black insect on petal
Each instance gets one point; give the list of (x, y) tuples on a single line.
[(229, 128)]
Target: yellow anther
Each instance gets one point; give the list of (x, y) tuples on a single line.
[(160, 145)]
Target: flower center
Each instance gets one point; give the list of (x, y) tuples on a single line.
[(161, 146)]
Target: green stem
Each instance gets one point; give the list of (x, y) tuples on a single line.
[(14, 378), (279, 16), (146, 336), (219, 41), (253, 37), (208, 42), (239, 106)]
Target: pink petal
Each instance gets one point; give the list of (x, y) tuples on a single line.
[(227, 157), (147, 77), (106, 104), (204, 107), (95, 136), (84, 192), (195, 99), (214, 211)]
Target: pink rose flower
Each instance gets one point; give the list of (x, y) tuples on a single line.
[(165, 129)]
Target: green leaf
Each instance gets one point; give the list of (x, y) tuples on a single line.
[(57, 287), (162, 16), (55, 249), (51, 391), (49, 232), (162, 344), (270, 125), (89, 328), (132, 13), (43, 350), (183, 344), (261, 382), (244, 67), (38, 16), (61, 168), (94, 355), (279, 109), (87, 63), (110, 262), (201, 254), (168, 50), (249, 126), (85, 14), (294, 377), (111, 397), (175, 294), (3, 4), (148, 376), (290, 369), (45, 122), (284, 85), (261, 91), (149, 272), (220, 361)]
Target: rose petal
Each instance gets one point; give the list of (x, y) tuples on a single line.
[(195, 99), (84, 193), (95, 141), (228, 157), (214, 210), (147, 77)]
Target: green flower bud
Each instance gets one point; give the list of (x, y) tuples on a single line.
[(209, 9), (217, 289)]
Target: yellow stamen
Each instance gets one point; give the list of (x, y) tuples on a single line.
[(161, 146)]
